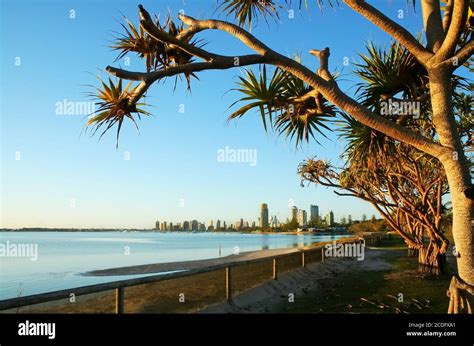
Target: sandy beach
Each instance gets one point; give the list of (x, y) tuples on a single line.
[(188, 265), (198, 264)]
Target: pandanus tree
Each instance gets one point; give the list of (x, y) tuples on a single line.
[(448, 46), (405, 185)]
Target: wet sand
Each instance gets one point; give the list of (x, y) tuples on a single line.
[(198, 264), (188, 265)]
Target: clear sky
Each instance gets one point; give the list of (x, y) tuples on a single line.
[(52, 176)]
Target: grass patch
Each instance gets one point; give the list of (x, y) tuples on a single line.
[(401, 289)]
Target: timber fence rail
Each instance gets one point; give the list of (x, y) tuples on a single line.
[(182, 291)]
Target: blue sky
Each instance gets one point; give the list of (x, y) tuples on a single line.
[(65, 179)]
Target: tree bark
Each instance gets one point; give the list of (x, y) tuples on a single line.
[(459, 180), (432, 259)]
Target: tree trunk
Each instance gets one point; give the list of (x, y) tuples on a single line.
[(459, 181), (461, 297), (412, 252), (431, 259)]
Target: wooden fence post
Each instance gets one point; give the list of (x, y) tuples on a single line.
[(303, 259), (228, 283), (275, 274), (119, 300)]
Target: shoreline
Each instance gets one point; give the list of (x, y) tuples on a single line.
[(156, 268)]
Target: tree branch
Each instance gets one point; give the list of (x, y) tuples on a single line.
[(448, 12), (459, 58), (456, 27), (433, 25), (393, 29), (327, 88), (149, 78), (245, 37)]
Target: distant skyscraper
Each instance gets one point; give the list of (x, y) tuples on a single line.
[(170, 227), (157, 225), (239, 224), (202, 227), (253, 224), (218, 224), (314, 213), (194, 225), (274, 223), (225, 225), (302, 217), (263, 215), (186, 225), (294, 213), (330, 218)]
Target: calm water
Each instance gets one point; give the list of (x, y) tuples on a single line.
[(63, 256)]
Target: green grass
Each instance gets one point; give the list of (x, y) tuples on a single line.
[(365, 291)]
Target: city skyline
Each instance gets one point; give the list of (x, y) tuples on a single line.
[(300, 215)]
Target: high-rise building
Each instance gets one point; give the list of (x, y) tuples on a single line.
[(201, 227), (170, 227), (294, 213), (239, 224), (194, 225), (218, 224), (225, 225), (157, 225), (186, 226), (330, 218), (302, 217), (253, 224), (274, 222), (263, 215), (314, 213)]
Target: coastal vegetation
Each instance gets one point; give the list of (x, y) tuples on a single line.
[(300, 104)]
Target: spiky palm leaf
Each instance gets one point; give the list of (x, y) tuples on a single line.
[(364, 145), (137, 41), (157, 55), (279, 99), (244, 11), (114, 107), (301, 126), (386, 73), (266, 95)]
